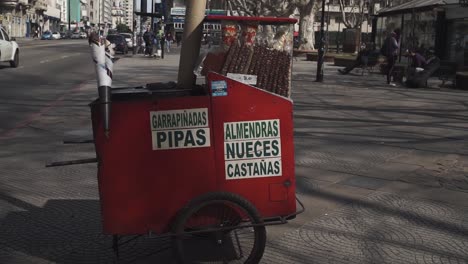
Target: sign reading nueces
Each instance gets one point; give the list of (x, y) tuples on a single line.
[(179, 129), (252, 149)]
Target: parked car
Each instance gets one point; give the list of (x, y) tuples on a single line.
[(128, 39), (47, 35), (119, 42), (83, 35), (9, 49), (75, 35), (56, 35), (65, 35)]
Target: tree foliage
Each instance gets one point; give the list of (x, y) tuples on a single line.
[(281, 8), (353, 15), (278, 8), (122, 28)]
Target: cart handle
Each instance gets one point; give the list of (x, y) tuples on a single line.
[(71, 162), (284, 219)]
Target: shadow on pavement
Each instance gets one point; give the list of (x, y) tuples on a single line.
[(382, 228), (68, 231)]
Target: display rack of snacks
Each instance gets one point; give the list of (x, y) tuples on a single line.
[(256, 50)]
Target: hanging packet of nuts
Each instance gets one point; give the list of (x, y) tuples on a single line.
[(229, 32)]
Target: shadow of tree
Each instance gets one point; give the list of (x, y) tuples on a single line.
[(68, 231)]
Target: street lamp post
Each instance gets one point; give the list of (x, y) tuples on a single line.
[(152, 16), (321, 52), (328, 23), (69, 15)]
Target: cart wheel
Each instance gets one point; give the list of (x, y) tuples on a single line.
[(218, 222)]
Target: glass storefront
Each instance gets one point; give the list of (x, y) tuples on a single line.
[(384, 26), (420, 30), (457, 41)]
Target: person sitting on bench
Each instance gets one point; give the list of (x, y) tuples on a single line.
[(418, 77), (418, 62), (361, 59)]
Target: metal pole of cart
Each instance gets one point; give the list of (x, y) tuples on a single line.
[(191, 41), (134, 31), (321, 52)]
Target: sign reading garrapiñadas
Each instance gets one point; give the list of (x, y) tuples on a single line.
[(252, 149), (177, 129)]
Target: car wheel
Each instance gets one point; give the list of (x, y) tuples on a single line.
[(15, 62), (126, 50)]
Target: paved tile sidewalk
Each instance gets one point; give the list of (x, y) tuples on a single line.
[(383, 172)]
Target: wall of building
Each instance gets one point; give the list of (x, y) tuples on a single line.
[(20, 18), (75, 11), (128, 7), (106, 16)]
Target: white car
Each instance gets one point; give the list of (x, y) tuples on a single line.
[(9, 49), (56, 35), (128, 39), (83, 35), (75, 35)]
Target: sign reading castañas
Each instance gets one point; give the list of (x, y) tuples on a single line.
[(252, 149)]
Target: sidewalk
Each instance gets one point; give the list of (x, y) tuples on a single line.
[(383, 172)]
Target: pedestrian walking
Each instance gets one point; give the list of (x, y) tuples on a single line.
[(168, 41), (157, 47), (162, 41), (148, 38), (390, 51)]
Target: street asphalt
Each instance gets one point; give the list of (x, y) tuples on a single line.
[(382, 171)]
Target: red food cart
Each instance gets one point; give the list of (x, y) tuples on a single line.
[(212, 166)]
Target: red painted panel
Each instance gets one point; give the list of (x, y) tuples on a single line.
[(247, 103), (261, 20), (141, 189)]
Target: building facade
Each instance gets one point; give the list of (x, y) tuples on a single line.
[(437, 25), (52, 16), (100, 13), (334, 18), (21, 18), (118, 13), (128, 13), (106, 13)]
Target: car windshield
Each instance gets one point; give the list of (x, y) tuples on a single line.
[(55, 33), (114, 37)]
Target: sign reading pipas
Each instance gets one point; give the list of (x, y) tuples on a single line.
[(178, 129), (252, 149)]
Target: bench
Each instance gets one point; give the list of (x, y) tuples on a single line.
[(461, 80), (419, 79), (447, 72), (369, 62)]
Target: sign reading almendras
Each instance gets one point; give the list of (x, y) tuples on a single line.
[(178, 129), (252, 149)]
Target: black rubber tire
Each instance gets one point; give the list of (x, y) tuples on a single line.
[(219, 197), (126, 50), (15, 62)]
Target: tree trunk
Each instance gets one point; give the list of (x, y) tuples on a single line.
[(358, 38), (306, 27)]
